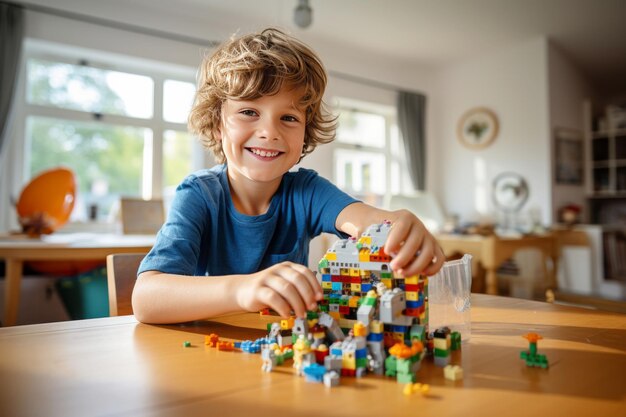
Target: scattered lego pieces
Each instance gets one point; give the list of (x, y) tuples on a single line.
[(453, 372), (211, 340), (411, 388), (186, 343), (532, 358)]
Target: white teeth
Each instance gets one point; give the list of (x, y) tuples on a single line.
[(264, 153)]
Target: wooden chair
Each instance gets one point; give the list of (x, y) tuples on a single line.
[(141, 217), (121, 276)]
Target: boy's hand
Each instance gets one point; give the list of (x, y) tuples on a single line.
[(413, 249), (283, 287)]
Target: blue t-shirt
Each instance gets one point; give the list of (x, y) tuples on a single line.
[(205, 235)]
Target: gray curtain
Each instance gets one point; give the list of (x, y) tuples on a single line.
[(11, 34), (411, 121)]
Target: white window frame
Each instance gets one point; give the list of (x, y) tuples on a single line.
[(152, 175), (389, 113)]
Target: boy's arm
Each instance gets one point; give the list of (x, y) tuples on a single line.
[(408, 237), (169, 298)]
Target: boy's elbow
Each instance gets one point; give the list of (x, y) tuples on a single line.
[(141, 303)]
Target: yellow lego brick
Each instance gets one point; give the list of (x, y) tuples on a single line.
[(453, 372), (327, 285), (345, 272), (365, 240), (412, 280), (355, 272), (348, 362), (388, 282), (377, 326), (312, 322), (355, 288), (330, 256), (360, 329), (441, 344), (287, 324)]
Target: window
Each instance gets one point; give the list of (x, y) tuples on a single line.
[(120, 126), (368, 155)]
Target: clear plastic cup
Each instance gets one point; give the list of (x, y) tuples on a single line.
[(449, 297)]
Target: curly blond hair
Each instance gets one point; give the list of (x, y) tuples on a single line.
[(258, 65)]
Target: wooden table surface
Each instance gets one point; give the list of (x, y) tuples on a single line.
[(16, 250), (491, 252), (118, 367)]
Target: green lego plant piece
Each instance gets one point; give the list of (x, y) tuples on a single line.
[(405, 378), (323, 263), (186, 343), (391, 366)]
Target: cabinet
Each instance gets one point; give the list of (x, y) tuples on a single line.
[(607, 186), (608, 153)]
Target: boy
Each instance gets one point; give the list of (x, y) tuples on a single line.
[(248, 222)]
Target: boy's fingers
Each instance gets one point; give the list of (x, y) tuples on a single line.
[(289, 292), (395, 237), (271, 299), (408, 250), (436, 263), (313, 288)]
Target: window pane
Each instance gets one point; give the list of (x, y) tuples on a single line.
[(177, 158), (106, 159), (361, 128), (360, 172), (84, 88), (177, 100)]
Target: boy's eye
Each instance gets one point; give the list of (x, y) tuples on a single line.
[(290, 118), (248, 112)]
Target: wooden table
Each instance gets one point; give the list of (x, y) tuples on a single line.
[(59, 247), (118, 367), (491, 251)]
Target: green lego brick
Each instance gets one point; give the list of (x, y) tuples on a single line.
[(361, 363), (323, 263), (369, 301), (405, 378), (442, 353)]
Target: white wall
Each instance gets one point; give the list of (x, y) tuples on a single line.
[(568, 89), (513, 83)]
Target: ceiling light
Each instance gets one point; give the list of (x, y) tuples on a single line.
[(303, 14)]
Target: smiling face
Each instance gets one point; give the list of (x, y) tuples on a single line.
[(262, 138)]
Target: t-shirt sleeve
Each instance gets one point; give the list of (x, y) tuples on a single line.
[(324, 202), (178, 243)]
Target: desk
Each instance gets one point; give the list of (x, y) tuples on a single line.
[(59, 247), (492, 251), (118, 367)]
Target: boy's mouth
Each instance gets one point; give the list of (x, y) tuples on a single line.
[(264, 153)]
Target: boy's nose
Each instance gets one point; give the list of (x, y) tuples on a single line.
[(268, 130)]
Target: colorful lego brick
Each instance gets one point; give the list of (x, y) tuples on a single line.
[(453, 372)]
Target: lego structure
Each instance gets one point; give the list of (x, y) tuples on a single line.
[(369, 321)]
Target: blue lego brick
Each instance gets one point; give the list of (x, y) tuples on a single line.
[(360, 353), (337, 286), (326, 277), (398, 329), (375, 337), (413, 304), (365, 288), (335, 352)]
